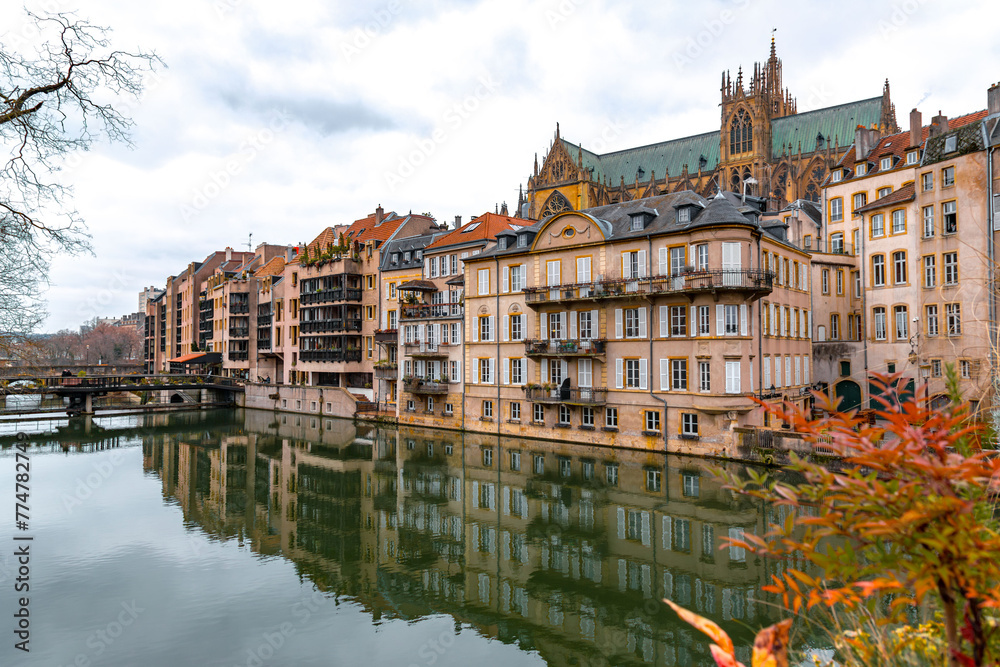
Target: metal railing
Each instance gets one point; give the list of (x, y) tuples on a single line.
[(330, 355), (331, 295), (240, 332), (239, 308), (336, 324), (386, 335), (573, 395), (576, 347), (431, 310), (752, 280), (828, 247), (417, 386), (239, 355), (418, 347)]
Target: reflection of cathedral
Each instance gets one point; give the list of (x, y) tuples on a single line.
[(562, 549), (761, 137)]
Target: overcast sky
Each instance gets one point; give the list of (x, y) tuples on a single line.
[(281, 118)]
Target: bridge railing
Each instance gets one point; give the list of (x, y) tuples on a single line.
[(111, 382)]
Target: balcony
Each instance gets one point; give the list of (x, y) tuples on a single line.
[(390, 336), (386, 373), (418, 349), (593, 347), (331, 295), (569, 395), (327, 326), (330, 355), (264, 344), (264, 320), (239, 332), (833, 247), (239, 308), (205, 325), (238, 355), (417, 386), (754, 281), (426, 311)]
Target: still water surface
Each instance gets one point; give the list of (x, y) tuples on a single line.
[(250, 539)]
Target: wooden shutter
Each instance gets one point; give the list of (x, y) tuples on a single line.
[(720, 320), (642, 322), (642, 373), (618, 322), (544, 327), (664, 332), (618, 373), (664, 374), (743, 319)]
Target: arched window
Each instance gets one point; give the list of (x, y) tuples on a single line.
[(741, 133), (812, 192), (556, 203)]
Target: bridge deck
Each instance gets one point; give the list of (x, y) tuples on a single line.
[(67, 386)]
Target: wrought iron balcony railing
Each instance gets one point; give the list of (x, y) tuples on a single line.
[(565, 348), (568, 395)]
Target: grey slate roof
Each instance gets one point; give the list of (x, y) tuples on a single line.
[(970, 140), (401, 246)]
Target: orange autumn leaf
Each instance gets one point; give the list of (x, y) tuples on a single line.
[(723, 659), (717, 634), (770, 648)]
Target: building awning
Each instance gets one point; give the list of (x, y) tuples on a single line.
[(457, 280), (418, 286), (196, 359)]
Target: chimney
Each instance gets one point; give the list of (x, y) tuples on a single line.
[(458, 221), (993, 99), (939, 125), (916, 128), (289, 253), (229, 254), (378, 215)]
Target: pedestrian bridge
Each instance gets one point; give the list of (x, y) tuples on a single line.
[(82, 390)]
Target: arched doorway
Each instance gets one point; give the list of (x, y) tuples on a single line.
[(848, 392)]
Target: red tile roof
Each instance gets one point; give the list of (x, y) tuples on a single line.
[(273, 268), (905, 193), (490, 224)]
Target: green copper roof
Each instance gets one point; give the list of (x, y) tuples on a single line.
[(834, 123), (662, 158)]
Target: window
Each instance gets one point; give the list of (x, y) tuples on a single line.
[(741, 133), (516, 278), (517, 327), (587, 417), (899, 221), (684, 214), (953, 314), (836, 175), (840, 282), (733, 385), (930, 271), (912, 157), (949, 217), (553, 272), (484, 281), (859, 169), (835, 326), (950, 268), (632, 373), (538, 464), (935, 368), (631, 266), (732, 319), (860, 199), (583, 269), (928, 218), (611, 474), (487, 457), (878, 270), (515, 411), (704, 320), (678, 321), (899, 267), (652, 420), (611, 417), (701, 256), (901, 316), (486, 328), (885, 163), (857, 284), (679, 374), (634, 322), (837, 243), (884, 192), (878, 318), (515, 461), (653, 480), (825, 275), (538, 412), (931, 316), (522, 240), (947, 177), (486, 371), (564, 415), (488, 409), (517, 372), (704, 376), (965, 368), (877, 226), (926, 181), (689, 423), (836, 209), (637, 221)]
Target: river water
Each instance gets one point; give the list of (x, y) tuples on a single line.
[(249, 539)]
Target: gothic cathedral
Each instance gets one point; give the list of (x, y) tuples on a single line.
[(763, 145)]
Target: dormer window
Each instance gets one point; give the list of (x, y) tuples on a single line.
[(886, 163), (684, 214), (836, 175), (419, 255), (502, 242), (859, 170), (395, 258), (638, 221), (407, 256), (912, 157), (522, 240), (951, 143)]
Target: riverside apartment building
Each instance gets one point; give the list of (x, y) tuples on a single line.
[(649, 324)]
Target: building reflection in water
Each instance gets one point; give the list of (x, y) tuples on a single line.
[(564, 549)]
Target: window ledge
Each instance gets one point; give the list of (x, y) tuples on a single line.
[(585, 427), (655, 433), (486, 419), (513, 421), (690, 436), (610, 429), (563, 425), (539, 422)]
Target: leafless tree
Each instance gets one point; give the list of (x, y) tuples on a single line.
[(59, 99)]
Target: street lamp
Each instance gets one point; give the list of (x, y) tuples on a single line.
[(749, 181)]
